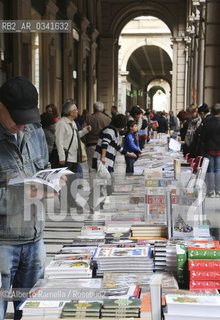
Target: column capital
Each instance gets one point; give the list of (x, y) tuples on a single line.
[(71, 10), (84, 24), (94, 34), (51, 9)]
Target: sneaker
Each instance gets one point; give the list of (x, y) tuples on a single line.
[(210, 194), (217, 194)]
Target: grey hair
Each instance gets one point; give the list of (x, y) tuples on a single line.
[(98, 106), (67, 108)]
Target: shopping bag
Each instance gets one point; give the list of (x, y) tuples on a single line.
[(102, 171)]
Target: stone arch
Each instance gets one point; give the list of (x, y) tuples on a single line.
[(150, 42), (129, 12), (159, 85), (156, 78)]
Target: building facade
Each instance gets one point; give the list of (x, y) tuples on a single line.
[(84, 63)]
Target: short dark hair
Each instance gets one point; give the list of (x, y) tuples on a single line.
[(203, 108), (115, 108), (135, 110), (216, 109), (131, 123), (119, 121), (46, 119)]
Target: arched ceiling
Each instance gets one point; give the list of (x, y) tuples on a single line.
[(148, 62)]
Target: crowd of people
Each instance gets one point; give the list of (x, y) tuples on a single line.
[(194, 125)]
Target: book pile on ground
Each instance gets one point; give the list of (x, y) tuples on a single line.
[(204, 266), (81, 310), (131, 260), (192, 306), (121, 308), (41, 309), (149, 231)]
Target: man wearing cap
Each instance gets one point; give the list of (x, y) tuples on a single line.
[(23, 152)]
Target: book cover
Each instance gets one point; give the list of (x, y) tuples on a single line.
[(206, 265), (204, 284), (82, 306), (204, 275), (122, 303), (199, 253), (193, 304)]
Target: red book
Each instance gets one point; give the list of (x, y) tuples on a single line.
[(204, 284), (204, 275), (206, 265)]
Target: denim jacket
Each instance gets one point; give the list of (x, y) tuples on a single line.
[(20, 158)]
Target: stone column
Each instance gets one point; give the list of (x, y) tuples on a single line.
[(49, 54), (123, 93), (93, 76), (82, 65), (174, 75), (201, 57), (212, 53), (105, 72), (115, 70), (22, 54), (178, 74), (68, 55)]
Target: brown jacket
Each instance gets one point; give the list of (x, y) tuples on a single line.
[(98, 121)]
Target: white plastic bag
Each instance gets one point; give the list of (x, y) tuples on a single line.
[(102, 171)]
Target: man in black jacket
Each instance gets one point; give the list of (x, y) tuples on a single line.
[(210, 136)]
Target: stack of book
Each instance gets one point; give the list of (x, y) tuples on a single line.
[(81, 310), (93, 232), (204, 266), (111, 280), (41, 309), (121, 308), (192, 306), (160, 255), (70, 265), (171, 256), (137, 259), (149, 231)]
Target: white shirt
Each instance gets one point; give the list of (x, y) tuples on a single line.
[(63, 134)]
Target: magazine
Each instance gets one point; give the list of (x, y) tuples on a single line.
[(48, 177)]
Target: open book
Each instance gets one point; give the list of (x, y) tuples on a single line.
[(48, 178)]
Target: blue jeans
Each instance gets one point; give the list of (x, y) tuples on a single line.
[(213, 174), (129, 164), (20, 266)]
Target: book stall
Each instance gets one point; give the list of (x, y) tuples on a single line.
[(148, 253)]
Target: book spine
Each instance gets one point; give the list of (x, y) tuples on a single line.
[(205, 265), (182, 266), (204, 275), (204, 254), (203, 284), (136, 291)]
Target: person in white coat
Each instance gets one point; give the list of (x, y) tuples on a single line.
[(68, 137)]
